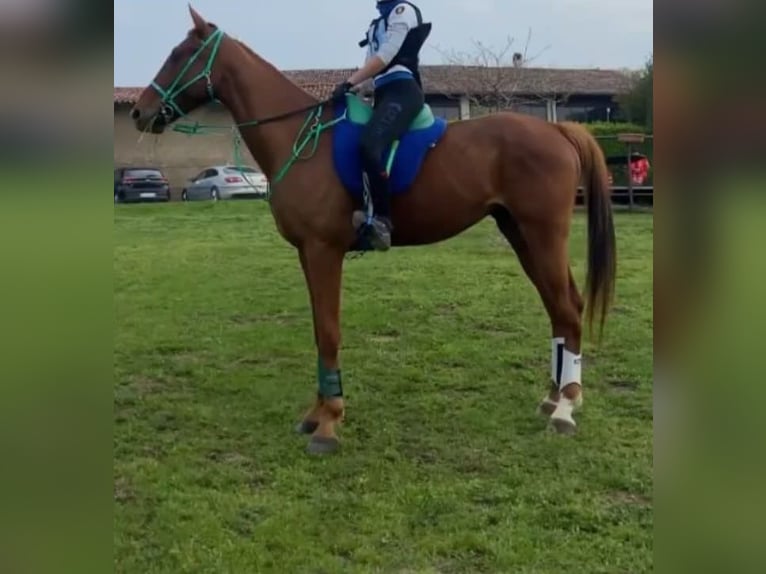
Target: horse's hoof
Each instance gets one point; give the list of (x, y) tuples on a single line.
[(306, 427), (323, 445), (565, 427)]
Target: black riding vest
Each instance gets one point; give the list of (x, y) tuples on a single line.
[(409, 54)]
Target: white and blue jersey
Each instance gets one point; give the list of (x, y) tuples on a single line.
[(386, 42)]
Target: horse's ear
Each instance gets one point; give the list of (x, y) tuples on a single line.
[(199, 22)]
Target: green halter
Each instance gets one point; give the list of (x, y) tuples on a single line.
[(170, 94), (309, 134)]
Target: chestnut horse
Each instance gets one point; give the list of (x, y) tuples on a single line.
[(520, 170)]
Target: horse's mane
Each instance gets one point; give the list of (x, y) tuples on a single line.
[(249, 51), (241, 44)]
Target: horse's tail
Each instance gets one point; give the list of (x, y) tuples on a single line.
[(602, 249)]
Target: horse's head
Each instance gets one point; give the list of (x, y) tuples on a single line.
[(185, 81)]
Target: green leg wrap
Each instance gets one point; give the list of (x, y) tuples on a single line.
[(390, 163), (330, 384)]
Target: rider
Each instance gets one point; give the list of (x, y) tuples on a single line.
[(394, 42)]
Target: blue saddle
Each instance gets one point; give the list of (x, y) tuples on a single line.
[(403, 158)]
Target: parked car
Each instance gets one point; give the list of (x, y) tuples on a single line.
[(226, 182), (137, 184)]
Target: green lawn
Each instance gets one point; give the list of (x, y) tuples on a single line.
[(444, 466)]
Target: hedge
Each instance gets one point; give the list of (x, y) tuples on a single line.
[(612, 147)]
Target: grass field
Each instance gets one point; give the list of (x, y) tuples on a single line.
[(444, 467)]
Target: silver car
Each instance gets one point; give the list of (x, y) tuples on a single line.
[(226, 182)]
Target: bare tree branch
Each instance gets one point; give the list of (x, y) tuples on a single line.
[(496, 78)]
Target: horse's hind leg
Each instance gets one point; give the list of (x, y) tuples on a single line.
[(542, 251)]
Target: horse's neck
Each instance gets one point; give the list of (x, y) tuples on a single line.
[(254, 90)]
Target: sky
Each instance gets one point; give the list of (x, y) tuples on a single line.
[(305, 34)]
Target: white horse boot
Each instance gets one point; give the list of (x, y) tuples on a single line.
[(566, 369)]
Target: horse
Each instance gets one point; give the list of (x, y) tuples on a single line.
[(517, 169)]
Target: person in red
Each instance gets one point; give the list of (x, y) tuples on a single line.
[(639, 169)]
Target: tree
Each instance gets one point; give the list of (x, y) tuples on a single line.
[(496, 75), (638, 104)]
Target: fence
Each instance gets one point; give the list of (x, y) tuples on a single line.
[(630, 159)]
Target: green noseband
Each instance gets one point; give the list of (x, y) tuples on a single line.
[(170, 94)]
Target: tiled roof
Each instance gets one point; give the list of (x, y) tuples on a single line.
[(124, 95), (473, 79), (455, 80)]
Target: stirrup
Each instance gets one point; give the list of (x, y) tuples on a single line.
[(368, 207), (360, 220), (368, 236)]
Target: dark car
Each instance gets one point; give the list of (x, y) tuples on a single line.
[(137, 184)]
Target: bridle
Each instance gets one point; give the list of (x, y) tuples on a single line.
[(308, 134), (169, 94), (171, 110)]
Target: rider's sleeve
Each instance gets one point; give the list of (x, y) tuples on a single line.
[(370, 49), (402, 19)]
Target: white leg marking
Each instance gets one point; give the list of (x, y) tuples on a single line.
[(562, 417)]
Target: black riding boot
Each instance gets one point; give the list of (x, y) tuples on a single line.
[(378, 231)]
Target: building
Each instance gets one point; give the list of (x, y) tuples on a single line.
[(454, 92)]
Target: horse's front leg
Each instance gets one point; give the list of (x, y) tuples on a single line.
[(310, 420), (322, 266)]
